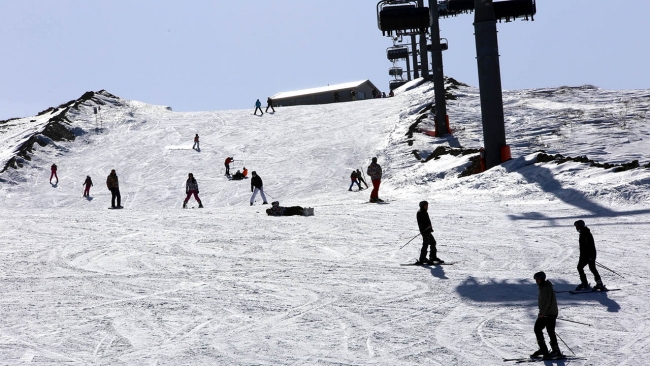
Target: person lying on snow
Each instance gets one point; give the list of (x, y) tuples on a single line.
[(277, 210)]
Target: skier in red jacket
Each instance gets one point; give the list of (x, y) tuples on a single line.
[(227, 164)]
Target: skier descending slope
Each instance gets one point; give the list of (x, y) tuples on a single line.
[(587, 257), (424, 223), (546, 318), (87, 184), (192, 188), (53, 169), (257, 186), (374, 171)]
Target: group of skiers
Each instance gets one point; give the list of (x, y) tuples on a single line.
[(269, 104), (547, 302)]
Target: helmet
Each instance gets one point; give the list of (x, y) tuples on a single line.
[(579, 224), (423, 203), (540, 275)]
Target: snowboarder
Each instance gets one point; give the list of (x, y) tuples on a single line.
[(424, 224), (245, 172), (229, 160), (269, 104), (114, 186), (337, 97), (196, 142), (546, 318), (258, 105), (374, 171), (277, 210), (353, 178), (87, 184), (257, 186), (237, 176), (360, 178), (353, 94), (587, 257), (192, 188), (53, 169)]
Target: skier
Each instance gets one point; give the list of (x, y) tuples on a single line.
[(337, 97), (196, 142), (192, 188), (53, 169), (391, 94), (257, 186), (424, 224), (113, 185), (237, 176), (587, 257), (258, 105), (245, 172), (374, 171), (269, 104), (277, 210), (353, 178), (546, 318), (229, 160), (360, 178), (87, 184), (353, 94)]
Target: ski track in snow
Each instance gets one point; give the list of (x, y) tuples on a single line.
[(153, 284)]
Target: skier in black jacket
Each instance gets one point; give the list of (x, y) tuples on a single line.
[(546, 318), (257, 186), (587, 257), (424, 223)]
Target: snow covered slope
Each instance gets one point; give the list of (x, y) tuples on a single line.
[(157, 285)]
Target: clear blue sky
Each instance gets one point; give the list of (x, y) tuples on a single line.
[(215, 55)]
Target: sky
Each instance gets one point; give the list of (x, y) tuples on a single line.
[(223, 55)]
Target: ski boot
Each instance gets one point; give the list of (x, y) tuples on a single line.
[(436, 260), (542, 351), (583, 287), (184, 204), (265, 203), (555, 352), (200, 205), (599, 286)]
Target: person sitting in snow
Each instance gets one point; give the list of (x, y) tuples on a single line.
[(245, 172), (237, 176), (277, 210)]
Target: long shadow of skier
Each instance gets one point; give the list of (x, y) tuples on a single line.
[(510, 292)]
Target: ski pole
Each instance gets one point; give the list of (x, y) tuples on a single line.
[(364, 177), (565, 343), (409, 241), (573, 321), (600, 265), (269, 195)]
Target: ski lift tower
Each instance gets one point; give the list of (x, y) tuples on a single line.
[(486, 14)]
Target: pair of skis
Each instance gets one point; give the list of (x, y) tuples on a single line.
[(418, 263), (574, 292), (539, 359)]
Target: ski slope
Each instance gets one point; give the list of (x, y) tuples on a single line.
[(154, 284)]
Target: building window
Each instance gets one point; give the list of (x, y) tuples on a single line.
[(361, 95)]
